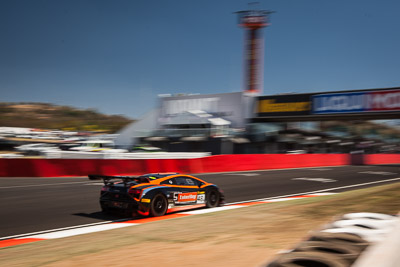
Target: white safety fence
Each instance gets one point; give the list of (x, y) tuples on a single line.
[(113, 155)]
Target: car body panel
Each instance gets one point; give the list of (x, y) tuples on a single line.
[(134, 195)]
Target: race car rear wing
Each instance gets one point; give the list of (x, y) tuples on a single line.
[(110, 180)]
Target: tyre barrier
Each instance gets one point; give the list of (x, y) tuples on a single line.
[(371, 236), (339, 243), (371, 230), (348, 253), (369, 215), (308, 259), (370, 224), (345, 239)]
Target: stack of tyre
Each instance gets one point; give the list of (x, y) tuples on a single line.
[(339, 243)]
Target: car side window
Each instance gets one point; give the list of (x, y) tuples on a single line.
[(197, 182), (190, 181), (180, 180), (169, 181), (186, 181)]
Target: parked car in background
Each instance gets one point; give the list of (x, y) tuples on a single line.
[(146, 148), (36, 149), (97, 146)]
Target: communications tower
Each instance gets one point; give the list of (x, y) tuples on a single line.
[(253, 21)]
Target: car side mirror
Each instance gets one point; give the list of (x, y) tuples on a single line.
[(200, 184)]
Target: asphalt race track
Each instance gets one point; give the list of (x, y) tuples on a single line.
[(37, 204)]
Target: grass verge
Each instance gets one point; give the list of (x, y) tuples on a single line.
[(243, 237)]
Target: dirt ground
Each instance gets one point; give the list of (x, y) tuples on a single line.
[(248, 236)]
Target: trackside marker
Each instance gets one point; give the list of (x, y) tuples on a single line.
[(14, 242), (80, 231), (277, 200), (154, 219), (54, 234), (324, 194)]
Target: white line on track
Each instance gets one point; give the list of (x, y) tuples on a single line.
[(247, 174), (378, 173), (204, 211), (36, 185), (320, 191), (313, 179)]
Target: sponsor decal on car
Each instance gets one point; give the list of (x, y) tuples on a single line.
[(145, 200), (201, 198), (185, 197), (189, 197)]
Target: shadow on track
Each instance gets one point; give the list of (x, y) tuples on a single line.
[(115, 216), (387, 165), (102, 216)]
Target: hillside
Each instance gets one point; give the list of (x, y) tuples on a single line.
[(49, 116)]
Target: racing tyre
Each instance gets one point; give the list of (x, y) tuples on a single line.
[(347, 253), (341, 239), (308, 259), (158, 206), (213, 199)]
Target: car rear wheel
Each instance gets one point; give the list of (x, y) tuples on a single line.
[(104, 208), (158, 206), (213, 199)]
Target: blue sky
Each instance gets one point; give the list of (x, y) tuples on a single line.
[(117, 56)]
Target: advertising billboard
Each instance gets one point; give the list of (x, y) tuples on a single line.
[(355, 102), (283, 105)]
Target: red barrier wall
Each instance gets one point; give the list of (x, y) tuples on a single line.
[(219, 163), (382, 159), (223, 163)]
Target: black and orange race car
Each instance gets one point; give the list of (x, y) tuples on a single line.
[(156, 194)]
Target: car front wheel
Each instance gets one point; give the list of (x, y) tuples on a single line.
[(213, 199)]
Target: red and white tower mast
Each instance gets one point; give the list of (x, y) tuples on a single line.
[(253, 21)]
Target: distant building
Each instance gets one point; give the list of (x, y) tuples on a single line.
[(190, 118)]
